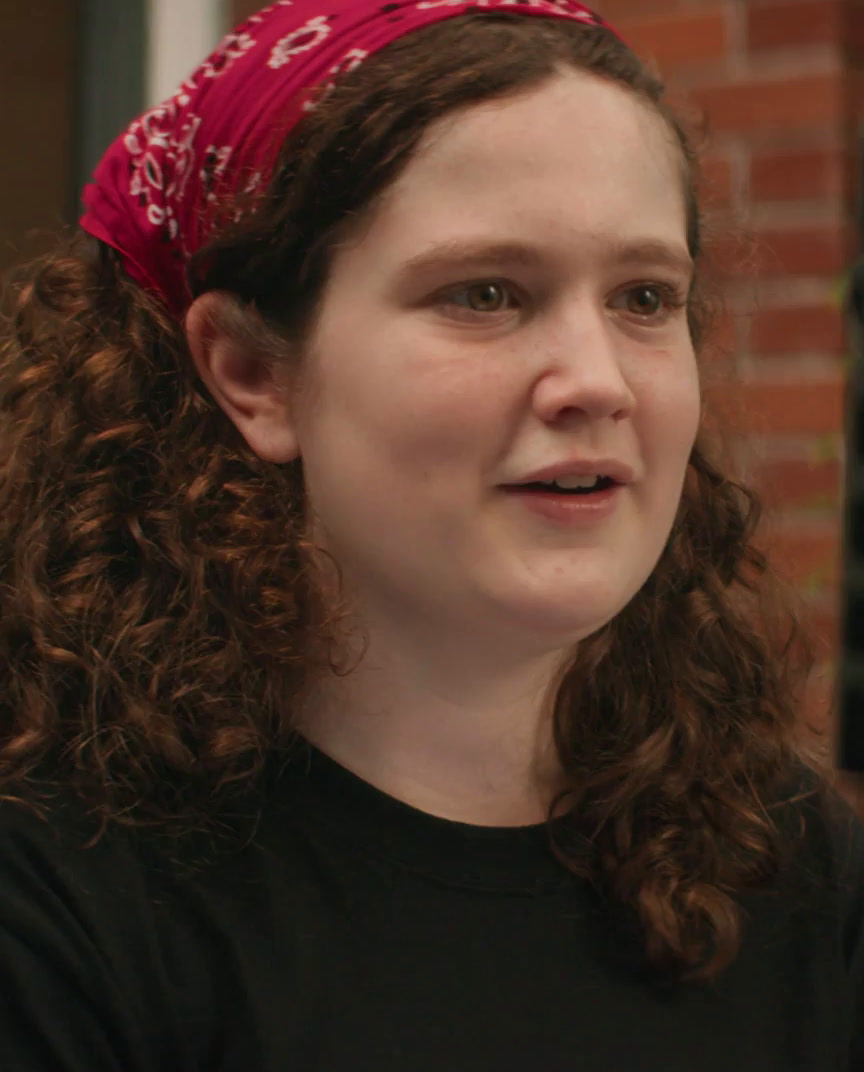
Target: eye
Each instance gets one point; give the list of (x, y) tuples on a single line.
[(649, 301), (487, 296)]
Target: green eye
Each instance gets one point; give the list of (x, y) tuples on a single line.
[(485, 297)]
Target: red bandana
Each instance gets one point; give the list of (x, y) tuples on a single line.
[(223, 127)]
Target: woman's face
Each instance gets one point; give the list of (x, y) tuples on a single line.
[(513, 310)]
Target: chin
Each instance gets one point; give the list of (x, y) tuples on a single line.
[(565, 623)]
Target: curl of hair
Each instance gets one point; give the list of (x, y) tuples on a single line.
[(157, 604), (162, 612)]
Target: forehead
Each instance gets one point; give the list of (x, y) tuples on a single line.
[(575, 157)]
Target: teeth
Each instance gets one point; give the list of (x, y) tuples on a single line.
[(569, 482)]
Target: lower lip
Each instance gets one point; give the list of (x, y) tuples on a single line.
[(569, 509)]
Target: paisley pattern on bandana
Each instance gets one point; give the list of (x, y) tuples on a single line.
[(309, 36), (161, 160), (233, 47), (151, 193)]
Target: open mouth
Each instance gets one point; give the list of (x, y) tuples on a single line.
[(572, 487)]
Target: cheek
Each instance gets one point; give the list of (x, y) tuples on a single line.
[(691, 407), (667, 424), (682, 411), (672, 398), (410, 410), (458, 419)]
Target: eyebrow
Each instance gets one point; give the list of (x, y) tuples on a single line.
[(466, 253)]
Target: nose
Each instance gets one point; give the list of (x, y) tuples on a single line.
[(581, 373)]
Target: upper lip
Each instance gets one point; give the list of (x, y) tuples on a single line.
[(608, 467)]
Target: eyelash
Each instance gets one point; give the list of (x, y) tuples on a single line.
[(672, 296)]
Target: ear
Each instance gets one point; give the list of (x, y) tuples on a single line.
[(243, 380)]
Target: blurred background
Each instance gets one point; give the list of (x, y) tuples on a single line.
[(778, 88)]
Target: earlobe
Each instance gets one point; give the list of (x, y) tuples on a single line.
[(241, 379)]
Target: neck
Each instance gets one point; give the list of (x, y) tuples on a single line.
[(452, 731)]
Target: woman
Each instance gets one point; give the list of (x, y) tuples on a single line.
[(388, 671)]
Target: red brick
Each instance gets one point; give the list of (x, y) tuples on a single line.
[(798, 329), (723, 334), (796, 251), (678, 40), (798, 483), (730, 255), (779, 407), (791, 103), (717, 182), (789, 176), (804, 251), (814, 22), (811, 559)]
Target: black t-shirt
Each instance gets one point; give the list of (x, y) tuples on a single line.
[(349, 932)]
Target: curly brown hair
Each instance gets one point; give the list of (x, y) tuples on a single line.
[(161, 614)]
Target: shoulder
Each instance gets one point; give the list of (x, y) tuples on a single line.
[(52, 843), (105, 951), (827, 828), (76, 896), (60, 853), (74, 936), (835, 839), (836, 832), (822, 877), (819, 827)]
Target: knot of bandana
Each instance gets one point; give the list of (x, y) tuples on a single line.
[(154, 191)]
